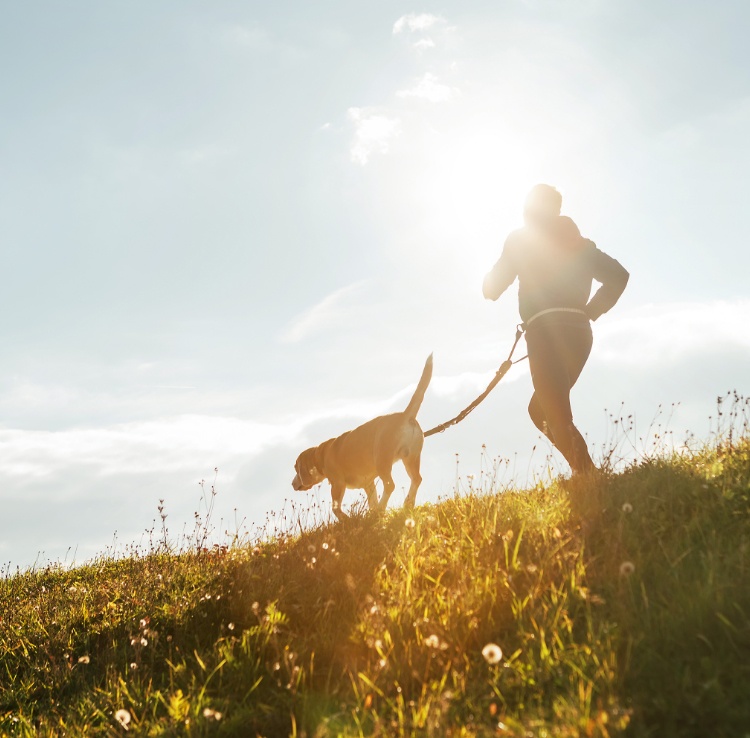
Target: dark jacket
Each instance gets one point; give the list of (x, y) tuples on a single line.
[(555, 267)]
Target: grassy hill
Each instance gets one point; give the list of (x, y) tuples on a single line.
[(617, 605)]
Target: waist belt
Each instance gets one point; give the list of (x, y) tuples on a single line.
[(528, 322)]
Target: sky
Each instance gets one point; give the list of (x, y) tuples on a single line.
[(232, 230)]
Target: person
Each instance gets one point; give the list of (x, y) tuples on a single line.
[(555, 267)]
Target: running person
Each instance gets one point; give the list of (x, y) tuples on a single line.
[(555, 267)]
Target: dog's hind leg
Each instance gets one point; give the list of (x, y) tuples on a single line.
[(337, 497), (411, 464)]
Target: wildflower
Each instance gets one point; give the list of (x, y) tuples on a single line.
[(83, 659), (255, 607), (627, 568), (133, 666), (230, 626), (123, 717), (492, 653), (409, 523), (144, 623), (432, 642), (627, 508), (325, 546), (508, 535), (211, 714), (144, 642)]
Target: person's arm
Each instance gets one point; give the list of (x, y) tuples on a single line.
[(613, 277), (502, 275)]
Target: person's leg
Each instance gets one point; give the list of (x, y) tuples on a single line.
[(537, 416), (557, 354)]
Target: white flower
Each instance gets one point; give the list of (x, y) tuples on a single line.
[(432, 642), (409, 523), (83, 659), (123, 717), (492, 653), (211, 714)]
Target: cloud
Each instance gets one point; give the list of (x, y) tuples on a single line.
[(372, 133), (135, 448), (416, 22), (429, 88), (658, 334), (424, 43), (329, 311)]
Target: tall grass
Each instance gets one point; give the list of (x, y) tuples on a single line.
[(618, 604)]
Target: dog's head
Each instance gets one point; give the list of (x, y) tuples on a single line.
[(308, 474)]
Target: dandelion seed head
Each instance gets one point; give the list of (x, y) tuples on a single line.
[(627, 508), (492, 653), (123, 717), (409, 523), (432, 642), (211, 714), (627, 568), (84, 659)]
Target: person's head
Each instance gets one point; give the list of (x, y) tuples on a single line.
[(542, 203)]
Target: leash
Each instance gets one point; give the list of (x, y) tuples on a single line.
[(501, 372)]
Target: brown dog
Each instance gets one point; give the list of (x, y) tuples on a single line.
[(356, 458)]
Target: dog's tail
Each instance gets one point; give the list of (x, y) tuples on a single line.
[(416, 401)]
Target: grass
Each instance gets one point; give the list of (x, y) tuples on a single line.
[(611, 606)]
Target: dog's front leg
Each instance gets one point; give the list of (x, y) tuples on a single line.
[(337, 496), (372, 496), (388, 486)]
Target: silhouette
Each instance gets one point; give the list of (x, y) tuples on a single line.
[(555, 267)]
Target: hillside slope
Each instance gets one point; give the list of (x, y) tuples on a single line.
[(620, 605)]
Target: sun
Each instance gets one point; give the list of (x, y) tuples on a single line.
[(470, 194)]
